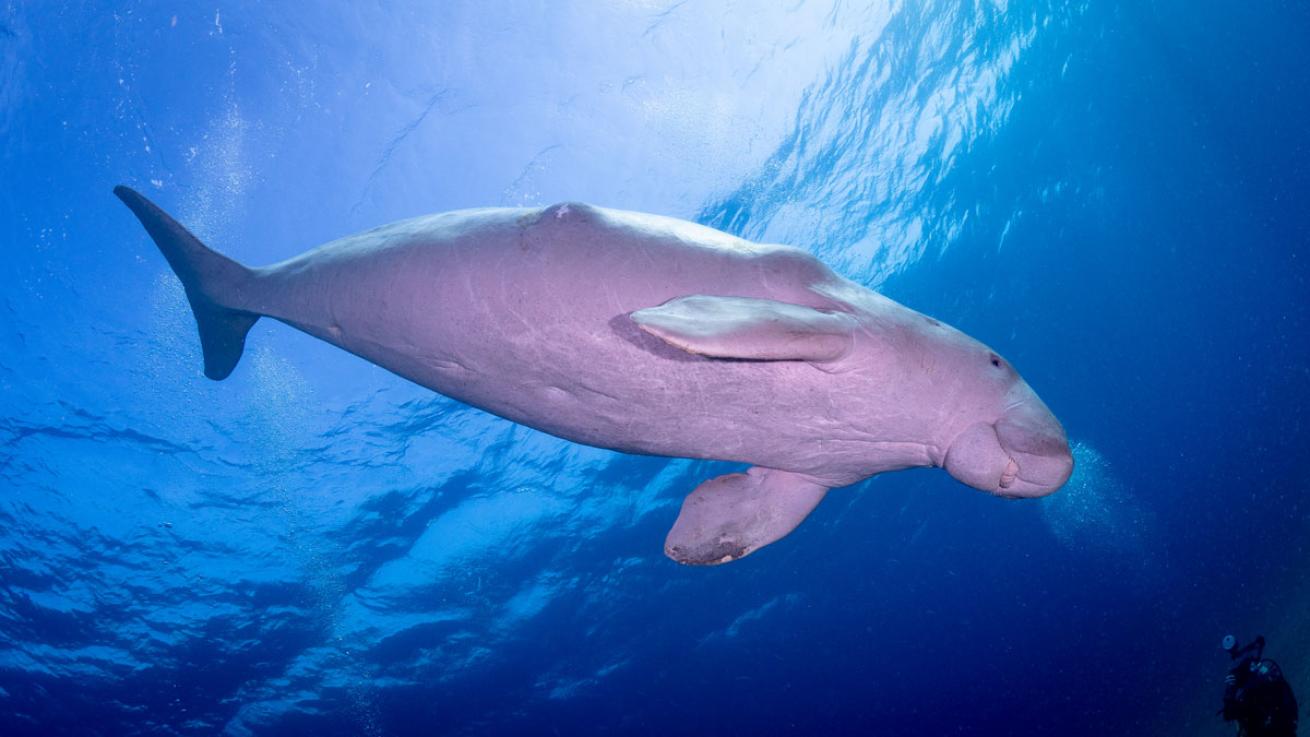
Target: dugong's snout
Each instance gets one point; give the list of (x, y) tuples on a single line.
[(1037, 445), (1024, 453)]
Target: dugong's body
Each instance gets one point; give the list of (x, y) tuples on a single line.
[(647, 334)]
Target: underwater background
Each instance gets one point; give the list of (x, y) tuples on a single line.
[(1110, 193)]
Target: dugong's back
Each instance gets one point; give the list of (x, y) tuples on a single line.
[(524, 312)]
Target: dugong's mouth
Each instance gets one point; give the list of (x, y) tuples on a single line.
[(1038, 459), (1010, 473), (1012, 459), (1014, 484)]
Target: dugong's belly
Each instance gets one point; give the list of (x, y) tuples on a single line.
[(525, 314)]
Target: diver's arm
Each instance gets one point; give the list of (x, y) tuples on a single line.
[(1258, 645)]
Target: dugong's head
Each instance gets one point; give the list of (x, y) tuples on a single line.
[(1005, 440)]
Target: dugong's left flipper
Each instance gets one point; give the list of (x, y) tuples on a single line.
[(732, 516), (748, 328)]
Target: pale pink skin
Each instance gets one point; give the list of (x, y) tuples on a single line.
[(525, 313)]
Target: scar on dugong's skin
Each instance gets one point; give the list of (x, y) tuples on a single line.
[(647, 334)]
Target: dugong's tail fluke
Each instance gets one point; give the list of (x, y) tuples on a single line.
[(215, 284)]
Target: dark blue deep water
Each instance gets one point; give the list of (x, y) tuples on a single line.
[(1111, 193)]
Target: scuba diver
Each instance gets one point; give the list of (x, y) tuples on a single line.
[(1256, 695)]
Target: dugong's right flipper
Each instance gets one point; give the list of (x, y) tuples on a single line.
[(732, 516), (216, 286)]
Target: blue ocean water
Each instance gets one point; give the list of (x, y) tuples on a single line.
[(1110, 193)]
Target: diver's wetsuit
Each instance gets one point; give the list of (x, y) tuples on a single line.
[(1258, 697)]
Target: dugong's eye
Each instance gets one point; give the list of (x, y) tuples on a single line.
[(996, 360)]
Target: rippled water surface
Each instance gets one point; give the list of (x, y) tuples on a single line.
[(1109, 193)]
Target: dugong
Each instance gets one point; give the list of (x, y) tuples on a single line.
[(652, 335)]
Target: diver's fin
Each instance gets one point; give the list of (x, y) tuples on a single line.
[(215, 284), (748, 328), (732, 516)]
